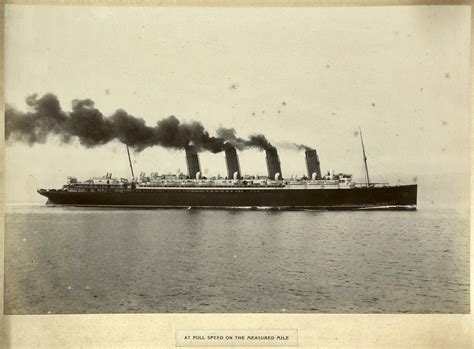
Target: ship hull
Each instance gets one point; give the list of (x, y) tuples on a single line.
[(395, 198)]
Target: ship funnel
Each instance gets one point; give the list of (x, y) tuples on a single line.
[(312, 164), (273, 164), (232, 162), (192, 161)]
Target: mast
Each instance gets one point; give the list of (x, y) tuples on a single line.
[(130, 161), (365, 158)]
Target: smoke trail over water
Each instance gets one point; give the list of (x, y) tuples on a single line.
[(294, 146), (92, 128), (86, 123), (257, 141)]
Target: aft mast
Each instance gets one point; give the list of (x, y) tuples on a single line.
[(130, 161), (365, 159)]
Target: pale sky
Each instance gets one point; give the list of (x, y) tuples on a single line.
[(400, 73)]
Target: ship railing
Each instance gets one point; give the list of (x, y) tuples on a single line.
[(371, 185), (212, 184)]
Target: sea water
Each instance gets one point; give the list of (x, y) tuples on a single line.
[(85, 260)]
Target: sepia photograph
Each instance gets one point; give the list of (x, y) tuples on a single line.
[(237, 160)]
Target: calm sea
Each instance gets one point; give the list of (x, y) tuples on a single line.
[(76, 260)]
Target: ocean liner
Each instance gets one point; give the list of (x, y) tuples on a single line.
[(329, 191)]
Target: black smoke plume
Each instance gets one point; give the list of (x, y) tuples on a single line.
[(92, 128), (294, 146), (258, 141)]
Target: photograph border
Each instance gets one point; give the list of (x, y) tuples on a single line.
[(159, 330)]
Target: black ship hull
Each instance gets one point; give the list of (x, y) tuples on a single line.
[(394, 197)]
